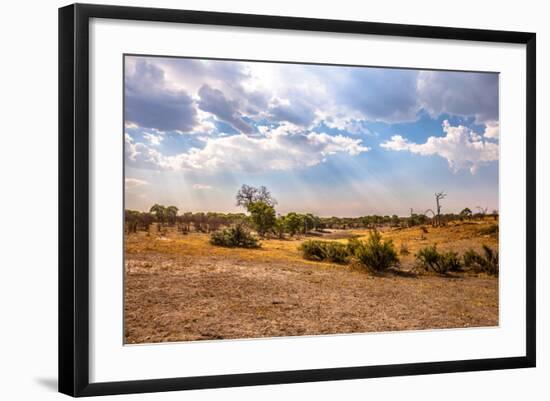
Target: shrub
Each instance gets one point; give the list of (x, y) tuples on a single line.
[(336, 252), (330, 251), (491, 230), (353, 244), (312, 250), (487, 262), (376, 254), (451, 261), (430, 259), (404, 249), (490, 260), (471, 258), (237, 236)]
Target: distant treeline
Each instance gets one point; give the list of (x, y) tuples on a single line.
[(292, 223), (185, 222)]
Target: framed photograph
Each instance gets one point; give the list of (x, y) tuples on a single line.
[(251, 199)]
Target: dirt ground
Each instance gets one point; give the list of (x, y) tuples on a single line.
[(180, 288)]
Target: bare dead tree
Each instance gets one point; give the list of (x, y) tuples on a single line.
[(482, 211), (434, 216), (438, 197)]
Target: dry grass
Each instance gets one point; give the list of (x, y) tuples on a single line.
[(182, 288)]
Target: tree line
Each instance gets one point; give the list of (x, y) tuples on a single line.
[(261, 216), (167, 216)]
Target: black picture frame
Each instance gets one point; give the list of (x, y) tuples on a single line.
[(74, 199)]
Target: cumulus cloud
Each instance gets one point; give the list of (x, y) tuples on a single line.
[(190, 74), (296, 111), (345, 123), (150, 103), (282, 148), (396, 95), (231, 78), (131, 183), (461, 147), (154, 139), (387, 95), (215, 102), (140, 155), (457, 93), (164, 93), (492, 130)]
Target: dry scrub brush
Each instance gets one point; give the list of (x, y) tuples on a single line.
[(374, 253), (486, 262), (430, 259), (330, 251), (234, 237)]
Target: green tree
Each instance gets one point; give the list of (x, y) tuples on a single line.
[(171, 214), (159, 211), (308, 221), (199, 221), (131, 218), (262, 216), (280, 227), (293, 223), (466, 213), (395, 221)]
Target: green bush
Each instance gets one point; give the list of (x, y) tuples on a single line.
[(353, 244), (336, 252), (330, 251), (490, 260), (430, 259), (471, 258), (376, 254), (487, 262), (312, 250), (451, 261), (234, 237)]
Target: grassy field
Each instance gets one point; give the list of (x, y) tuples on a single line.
[(180, 288)]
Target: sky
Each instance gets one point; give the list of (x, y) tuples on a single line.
[(324, 139)]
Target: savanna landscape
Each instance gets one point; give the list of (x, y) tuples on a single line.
[(277, 199), (184, 283)]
